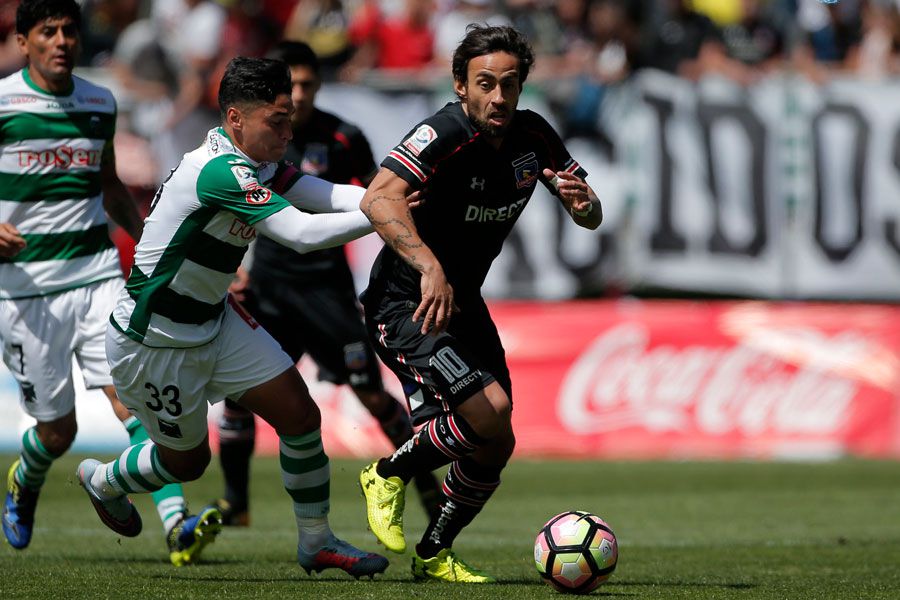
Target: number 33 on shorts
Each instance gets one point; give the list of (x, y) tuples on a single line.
[(167, 399)]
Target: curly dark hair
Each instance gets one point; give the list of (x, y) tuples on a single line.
[(484, 39)]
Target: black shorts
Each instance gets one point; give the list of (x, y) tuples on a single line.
[(324, 322), (437, 372)]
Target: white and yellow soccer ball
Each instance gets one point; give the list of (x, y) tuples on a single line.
[(575, 551)]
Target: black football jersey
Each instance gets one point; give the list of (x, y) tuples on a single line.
[(335, 151), (475, 193)]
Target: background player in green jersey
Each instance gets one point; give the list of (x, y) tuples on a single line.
[(60, 271), (178, 341)]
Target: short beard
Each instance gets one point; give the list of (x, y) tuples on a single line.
[(489, 130)]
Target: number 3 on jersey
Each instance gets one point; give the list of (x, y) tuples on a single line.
[(166, 399)]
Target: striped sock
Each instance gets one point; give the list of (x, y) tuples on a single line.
[(467, 487), (34, 461), (442, 440), (169, 499), (306, 474), (138, 469)]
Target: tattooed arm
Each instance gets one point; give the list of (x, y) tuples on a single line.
[(385, 204)]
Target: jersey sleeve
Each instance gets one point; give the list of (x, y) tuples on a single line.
[(560, 159), (415, 158), (230, 183)]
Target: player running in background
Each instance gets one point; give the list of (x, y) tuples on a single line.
[(176, 340), (479, 161), (308, 301), (59, 270)]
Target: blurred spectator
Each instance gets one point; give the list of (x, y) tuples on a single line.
[(537, 20), (755, 40), (278, 11), (103, 21), (165, 62), (450, 25), (721, 12), (878, 49), (569, 50), (831, 36), (246, 32), (11, 60), (399, 46), (609, 29), (688, 44), (613, 30), (680, 41), (324, 26)]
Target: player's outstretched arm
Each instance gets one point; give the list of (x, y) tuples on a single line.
[(578, 198), (312, 194), (304, 232), (386, 204)]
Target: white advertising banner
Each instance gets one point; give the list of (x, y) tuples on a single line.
[(783, 189)]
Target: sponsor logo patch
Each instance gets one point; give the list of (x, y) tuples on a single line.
[(245, 178), (63, 157), (419, 140), (527, 170), (483, 214), (259, 195)]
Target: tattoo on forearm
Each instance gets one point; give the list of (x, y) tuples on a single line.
[(397, 232)]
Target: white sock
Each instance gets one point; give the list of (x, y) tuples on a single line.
[(313, 532), (101, 486)]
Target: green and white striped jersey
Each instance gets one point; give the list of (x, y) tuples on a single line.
[(51, 147), (199, 227)]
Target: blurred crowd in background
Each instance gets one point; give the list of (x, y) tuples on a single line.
[(168, 55)]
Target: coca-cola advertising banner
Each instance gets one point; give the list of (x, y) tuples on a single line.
[(635, 379), (725, 380)]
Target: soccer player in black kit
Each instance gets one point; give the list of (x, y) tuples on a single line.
[(478, 161), (308, 301)]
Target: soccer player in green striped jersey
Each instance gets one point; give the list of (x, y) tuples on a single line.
[(177, 341), (60, 273)]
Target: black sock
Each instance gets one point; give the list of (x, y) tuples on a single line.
[(467, 487), (441, 441), (237, 435)]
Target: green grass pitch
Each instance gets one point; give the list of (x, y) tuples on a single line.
[(686, 530)]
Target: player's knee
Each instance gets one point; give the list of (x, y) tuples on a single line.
[(188, 466), (506, 444), (57, 436), (304, 416), (489, 413)]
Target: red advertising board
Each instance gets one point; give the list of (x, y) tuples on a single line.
[(638, 379)]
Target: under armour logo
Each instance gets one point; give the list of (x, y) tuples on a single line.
[(478, 183)]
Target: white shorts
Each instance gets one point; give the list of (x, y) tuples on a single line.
[(168, 389), (41, 335)]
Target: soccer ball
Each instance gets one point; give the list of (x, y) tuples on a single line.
[(575, 552)]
